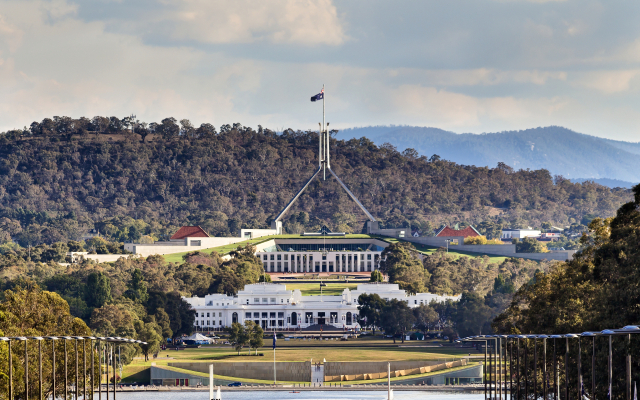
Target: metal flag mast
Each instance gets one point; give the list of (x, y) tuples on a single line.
[(324, 163)]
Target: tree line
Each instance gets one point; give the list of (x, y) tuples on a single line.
[(131, 181)]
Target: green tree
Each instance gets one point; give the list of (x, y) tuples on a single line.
[(530, 245), (137, 287), (426, 317), (396, 318), (376, 276), (98, 290), (238, 336), (471, 314), (404, 267), (256, 335), (151, 333), (369, 309), (34, 312)]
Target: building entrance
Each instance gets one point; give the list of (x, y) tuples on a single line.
[(321, 318)]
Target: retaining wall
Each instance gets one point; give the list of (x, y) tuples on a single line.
[(285, 371), (356, 371)]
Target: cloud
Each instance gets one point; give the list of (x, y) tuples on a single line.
[(609, 82), (303, 22)]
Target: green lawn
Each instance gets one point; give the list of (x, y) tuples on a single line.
[(298, 351), (428, 250), (313, 289)]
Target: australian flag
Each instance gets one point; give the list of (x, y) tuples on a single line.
[(274, 340), (319, 96)]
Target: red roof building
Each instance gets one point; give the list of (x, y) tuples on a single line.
[(189, 231), (466, 232)]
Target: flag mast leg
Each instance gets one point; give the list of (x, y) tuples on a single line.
[(323, 133)]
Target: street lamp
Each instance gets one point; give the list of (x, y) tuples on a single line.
[(593, 361), (566, 362), (556, 377), (447, 240)]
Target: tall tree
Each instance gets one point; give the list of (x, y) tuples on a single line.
[(396, 318)]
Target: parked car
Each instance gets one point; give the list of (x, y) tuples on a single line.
[(235, 384)]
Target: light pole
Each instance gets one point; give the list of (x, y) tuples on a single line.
[(556, 375), (544, 365), (447, 240), (566, 362), (484, 366), (592, 335)]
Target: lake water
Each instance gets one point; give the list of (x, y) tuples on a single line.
[(303, 395)]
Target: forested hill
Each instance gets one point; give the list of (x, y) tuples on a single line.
[(62, 177), (560, 150)]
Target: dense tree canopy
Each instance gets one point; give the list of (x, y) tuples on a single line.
[(63, 176)]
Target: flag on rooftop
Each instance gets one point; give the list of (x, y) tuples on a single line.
[(319, 96)]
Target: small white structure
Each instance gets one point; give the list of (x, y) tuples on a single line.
[(272, 306), (509, 234)]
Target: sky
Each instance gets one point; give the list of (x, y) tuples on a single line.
[(465, 66)]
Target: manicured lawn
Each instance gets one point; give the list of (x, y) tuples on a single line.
[(313, 289), (298, 351), (428, 250)]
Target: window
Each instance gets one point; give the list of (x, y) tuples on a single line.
[(256, 315), (196, 243), (207, 315), (349, 318), (280, 315), (265, 300), (264, 315), (368, 256), (264, 257), (202, 323), (196, 322), (214, 322), (288, 320), (220, 315), (279, 257), (196, 315), (415, 302), (247, 315), (273, 300), (272, 315), (272, 257), (220, 322), (256, 300), (208, 322), (247, 301), (281, 300), (286, 257)]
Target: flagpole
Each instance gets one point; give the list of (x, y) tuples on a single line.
[(324, 134)]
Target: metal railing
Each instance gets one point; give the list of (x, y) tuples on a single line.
[(101, 346), (506, 355)]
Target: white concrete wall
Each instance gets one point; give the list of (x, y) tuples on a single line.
[(146, 250), (108, 257), (256, 233)]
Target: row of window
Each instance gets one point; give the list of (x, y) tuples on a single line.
[(202, 315), (209, 323), (343, 257)]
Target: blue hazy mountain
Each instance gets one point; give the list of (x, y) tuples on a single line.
[(563, 152)]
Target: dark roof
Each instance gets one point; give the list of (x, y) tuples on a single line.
[(189, 231), (466, 232)]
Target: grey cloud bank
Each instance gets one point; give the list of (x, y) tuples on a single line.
[(466, 66)]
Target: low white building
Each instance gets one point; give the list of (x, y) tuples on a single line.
[(272, 306), (509, 234)]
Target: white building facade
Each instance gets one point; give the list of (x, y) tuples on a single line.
[(273, 307), (509, 234)]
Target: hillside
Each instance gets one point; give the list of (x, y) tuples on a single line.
[(63, 177), (561, 151)]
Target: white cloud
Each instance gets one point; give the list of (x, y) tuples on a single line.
[(306, 22), (609, 82)]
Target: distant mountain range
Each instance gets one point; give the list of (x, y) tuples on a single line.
[(575, 156)]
